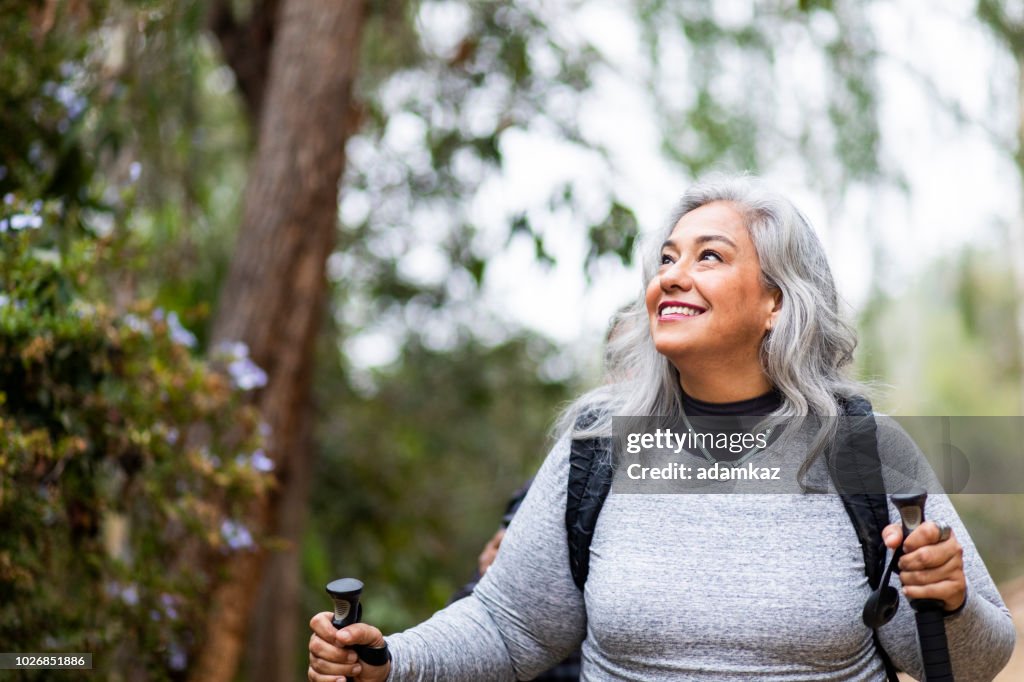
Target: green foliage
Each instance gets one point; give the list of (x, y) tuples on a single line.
[(125, 462), (616, 234), (43, 107), (734, 102), (121, 110), (448, 92), (1000, 18)]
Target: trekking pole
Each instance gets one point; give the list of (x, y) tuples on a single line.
[(347, 610), (929, 613)]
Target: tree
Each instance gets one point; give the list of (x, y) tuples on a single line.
[(274, 294)]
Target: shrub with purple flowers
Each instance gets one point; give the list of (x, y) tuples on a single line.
[(127, 462)]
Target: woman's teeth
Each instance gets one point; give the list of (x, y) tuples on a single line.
[(680, 310)]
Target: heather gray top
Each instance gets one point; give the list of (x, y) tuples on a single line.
[(694, 587)]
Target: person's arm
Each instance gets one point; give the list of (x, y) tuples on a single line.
[(525, 615), (980, 632)]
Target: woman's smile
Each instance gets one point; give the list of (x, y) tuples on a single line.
[(673, 310)]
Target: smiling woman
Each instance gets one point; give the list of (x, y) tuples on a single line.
[(710, 305), (739, 317)]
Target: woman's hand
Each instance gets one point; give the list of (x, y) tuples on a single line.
[(330, 658), (930, 568)]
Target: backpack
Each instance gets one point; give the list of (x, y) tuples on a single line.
[(858, 481)]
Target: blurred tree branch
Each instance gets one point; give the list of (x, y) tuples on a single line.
[(247, 43)]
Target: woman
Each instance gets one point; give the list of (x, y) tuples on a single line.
[(740, 317)]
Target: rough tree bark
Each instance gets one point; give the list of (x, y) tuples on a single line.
[(274, 293)]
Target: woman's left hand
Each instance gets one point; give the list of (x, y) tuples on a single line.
[(930, 568)]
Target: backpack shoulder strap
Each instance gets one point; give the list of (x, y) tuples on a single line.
[(856, 469), (590, 479)]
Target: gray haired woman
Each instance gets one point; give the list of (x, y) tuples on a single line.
[(739, 316)]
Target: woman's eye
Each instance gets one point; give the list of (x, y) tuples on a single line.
[(712, 254), (666, 259)]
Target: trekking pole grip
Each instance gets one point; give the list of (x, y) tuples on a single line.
[(929, 613), (347, 609), (931, 630)]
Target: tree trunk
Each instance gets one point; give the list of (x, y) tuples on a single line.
[(273, 296)]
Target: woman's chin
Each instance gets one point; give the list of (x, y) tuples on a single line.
[(674, 350)]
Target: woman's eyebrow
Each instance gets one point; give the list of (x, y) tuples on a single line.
[(702, 239), (705, 238)]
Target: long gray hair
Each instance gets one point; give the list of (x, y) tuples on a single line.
[(804, 355)]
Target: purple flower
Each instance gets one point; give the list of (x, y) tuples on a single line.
[(21, 222), (247, 375), (232, 350), (260, 462), (257, 460), (137, 324), (176, 657), (129, 595), (179, 334), (168, 601), (235, 535)]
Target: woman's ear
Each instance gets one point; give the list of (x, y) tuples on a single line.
[(776, 309)]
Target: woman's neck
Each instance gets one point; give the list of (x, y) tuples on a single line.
[(724, 387)]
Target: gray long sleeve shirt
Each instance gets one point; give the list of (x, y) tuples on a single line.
[(694, 587)]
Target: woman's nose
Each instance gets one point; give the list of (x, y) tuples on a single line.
[(676, 277)]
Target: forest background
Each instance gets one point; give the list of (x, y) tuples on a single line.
[(293, 289)]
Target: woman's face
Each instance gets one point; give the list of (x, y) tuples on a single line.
[(707, 300)]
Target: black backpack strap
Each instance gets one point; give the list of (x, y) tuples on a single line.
[(891, 674), (856, 470), (590, 479)]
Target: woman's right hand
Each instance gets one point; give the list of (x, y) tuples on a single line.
[(330, 657)]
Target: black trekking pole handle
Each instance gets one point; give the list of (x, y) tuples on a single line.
[(347, 610), (929, 613)]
